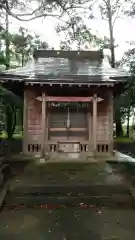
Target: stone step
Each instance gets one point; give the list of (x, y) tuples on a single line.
[(91, 195), (116, 200), (62, 190)]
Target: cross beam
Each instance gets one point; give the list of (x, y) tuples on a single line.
[(68, 99)]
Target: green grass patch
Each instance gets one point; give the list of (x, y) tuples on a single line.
[(15, 135), (130, 167), (123, 140)]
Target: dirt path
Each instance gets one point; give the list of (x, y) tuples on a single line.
[(94, 223), (68, 174), (68, 224)]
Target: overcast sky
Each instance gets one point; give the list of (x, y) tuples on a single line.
[(123, 31)]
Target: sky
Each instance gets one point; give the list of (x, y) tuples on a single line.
[(123, 31)]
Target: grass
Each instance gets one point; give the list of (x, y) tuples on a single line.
[(17, 135), (123, 140), (130, 168)]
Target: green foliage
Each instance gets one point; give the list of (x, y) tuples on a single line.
[(130, 11), (9, 105), (43, 8), (77, 33), (123, 140), (129, 93), (125, 103), (8, 97), (2, 59), (21, 46)]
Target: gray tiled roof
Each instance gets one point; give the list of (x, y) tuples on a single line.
[(45, 68)]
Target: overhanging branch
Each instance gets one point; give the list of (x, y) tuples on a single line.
[(39, 12), (19, 16)]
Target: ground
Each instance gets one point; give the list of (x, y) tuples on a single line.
[(68, 223), (66, 174)]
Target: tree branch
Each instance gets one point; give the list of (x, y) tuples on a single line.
[(106, 3), (117, 14), (19, 16)]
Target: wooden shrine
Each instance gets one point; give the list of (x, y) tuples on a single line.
[(68, 104)]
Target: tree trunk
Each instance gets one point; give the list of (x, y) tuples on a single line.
[(128, 117), (119, 130), (133, 124), (22, 59), (111, 33), (10, 125), (7, 42)]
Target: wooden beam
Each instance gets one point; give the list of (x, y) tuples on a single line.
[(58, 140), (110, 121), (70, 129), (43, 148), (89, 128), (67, 81), (47, 128), (68, 99), (25, 123), (91, 55), (94, 122)]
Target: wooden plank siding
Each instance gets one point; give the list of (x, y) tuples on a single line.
[(103, 121), (34, 119), (81, 124), (25, 121)]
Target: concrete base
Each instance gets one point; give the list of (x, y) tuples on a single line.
[(74, 157)]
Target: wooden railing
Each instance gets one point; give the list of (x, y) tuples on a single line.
[(53, 146), (102, 148), (34, 148)]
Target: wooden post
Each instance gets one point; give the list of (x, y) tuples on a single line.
[(25, 123), (110, 121), (94, 122), (89, 128), (47, 128), (43, 125)]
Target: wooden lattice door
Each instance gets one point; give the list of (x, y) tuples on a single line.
[(68, 124)]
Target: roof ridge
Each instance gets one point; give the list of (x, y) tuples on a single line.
[(89, 54)]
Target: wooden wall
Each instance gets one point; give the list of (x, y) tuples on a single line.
[(33, 131), (34, 109), (103, 122), (105, 119)]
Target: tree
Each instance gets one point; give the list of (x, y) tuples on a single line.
[(21, 46), (38, 43), (130, 11), (29, 10), (3, 60), (77, 34), (125, 103), (111, 11), (128, 56), (130, 92), (11, 104)]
